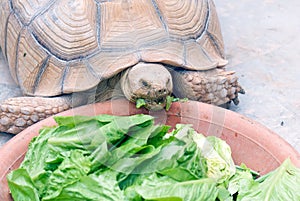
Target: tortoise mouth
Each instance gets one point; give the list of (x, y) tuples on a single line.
[(152, 103), (157, 104)]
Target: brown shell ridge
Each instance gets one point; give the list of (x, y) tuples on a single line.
[(183, 39), (217, 47), (12, 54), (98, 23), (138, 48), (40, 73), (21, 82), (35, 37), (45, 62), (42, 10), (204, 31), (213, 39), (65, 72), (91, 69), (5, 28), (10, 5), (184, 56), (68, 31), (44, 47), (5, 36), (17, 60), (161, 18)]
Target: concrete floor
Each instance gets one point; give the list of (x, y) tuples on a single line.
[(263, 46)]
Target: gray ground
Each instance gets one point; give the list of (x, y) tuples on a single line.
[(263, 46)]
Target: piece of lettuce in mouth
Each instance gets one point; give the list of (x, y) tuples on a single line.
[(140, 103), (169, 100)]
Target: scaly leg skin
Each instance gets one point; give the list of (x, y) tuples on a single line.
[(217, 86), (18, 113)]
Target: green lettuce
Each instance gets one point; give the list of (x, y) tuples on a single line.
[(68, 172), (94, 187), (129, 158), (21, 186), (241, 181), (279, 185), (181, 159), (217, 154), (193, 156), (140, 103), (155, 187)]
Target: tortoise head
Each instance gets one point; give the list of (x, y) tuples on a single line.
[(149, 81)]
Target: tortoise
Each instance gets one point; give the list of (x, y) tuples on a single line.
[(63, 52)]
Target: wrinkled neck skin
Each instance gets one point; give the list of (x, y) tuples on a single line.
[(149, 81)]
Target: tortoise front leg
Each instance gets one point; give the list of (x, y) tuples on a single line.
[(18, 113), (216, 86)]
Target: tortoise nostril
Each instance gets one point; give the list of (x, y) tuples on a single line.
[(161, 91)]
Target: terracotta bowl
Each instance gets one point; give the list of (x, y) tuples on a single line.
[(251, 143)]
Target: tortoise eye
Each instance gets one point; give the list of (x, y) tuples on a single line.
[(145, 83)]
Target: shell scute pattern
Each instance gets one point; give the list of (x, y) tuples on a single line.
[(53, 43)]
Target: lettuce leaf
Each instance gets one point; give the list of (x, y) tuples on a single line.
[(21, 186), (179, 159), (87, 135), (68, 172), (94, 187), (241, 181), (279, 185), (72, 121), (35, 159), (140, 103), (155, 187), (217, 154), (195, 156)]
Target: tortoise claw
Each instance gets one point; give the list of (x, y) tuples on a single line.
[(241, 90), (236, 100)]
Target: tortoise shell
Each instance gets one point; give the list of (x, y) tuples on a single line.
[(55, 47)]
